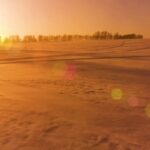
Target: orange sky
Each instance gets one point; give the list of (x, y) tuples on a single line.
[(74, 16)]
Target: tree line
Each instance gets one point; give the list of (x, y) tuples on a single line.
[(104, 35)]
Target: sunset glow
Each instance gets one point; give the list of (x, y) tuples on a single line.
[(74, 74), (74, 16)]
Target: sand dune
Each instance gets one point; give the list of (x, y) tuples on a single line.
[(80, 95)]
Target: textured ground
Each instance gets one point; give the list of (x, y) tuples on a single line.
[(83, 95)]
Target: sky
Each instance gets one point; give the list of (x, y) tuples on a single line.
[(74, 16)]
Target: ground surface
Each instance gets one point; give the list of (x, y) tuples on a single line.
[(83, 95)]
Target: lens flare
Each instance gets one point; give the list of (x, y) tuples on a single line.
[(133, 101), (58, 69), (64, 71), (147, 110), (116, 94), (70, 72)]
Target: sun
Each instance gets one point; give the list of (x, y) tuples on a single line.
[(2, 38)]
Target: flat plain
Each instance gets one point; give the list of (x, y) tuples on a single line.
[(79, 95)]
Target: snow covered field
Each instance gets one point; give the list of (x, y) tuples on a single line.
[(79, 95)]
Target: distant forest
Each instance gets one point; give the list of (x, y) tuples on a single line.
[(104, 35)]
